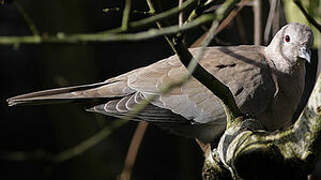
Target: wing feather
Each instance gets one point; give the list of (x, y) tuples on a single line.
[(242, 68)]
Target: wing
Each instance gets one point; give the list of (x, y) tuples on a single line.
[(162, 117), (120, 107), (194, 109), (242, 68)]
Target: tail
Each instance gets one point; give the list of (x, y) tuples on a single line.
[(88, 91)]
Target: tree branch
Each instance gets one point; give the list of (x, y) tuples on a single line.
[(31, 24), (133, 149), (105, 37), (257, 8), (309, 18), (126, 14)]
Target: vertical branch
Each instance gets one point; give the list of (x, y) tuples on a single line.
[(257, 8), (277, 20), (150, 6), (180, 16), (126, 14), (268, 26), (133, 149)]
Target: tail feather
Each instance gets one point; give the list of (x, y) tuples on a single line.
[(57, 95)]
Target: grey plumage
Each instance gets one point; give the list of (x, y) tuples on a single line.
[(266, 82)]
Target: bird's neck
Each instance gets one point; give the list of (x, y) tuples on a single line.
[(290, 82), (281, 63)]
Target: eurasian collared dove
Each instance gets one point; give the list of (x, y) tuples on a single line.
[(266, 82)]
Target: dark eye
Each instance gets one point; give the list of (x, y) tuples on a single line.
[(287, 38)]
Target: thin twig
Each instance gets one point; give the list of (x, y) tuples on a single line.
[(224, 23), (27, 18), (231, 16), (88, 143), (126, 15), (67, 154), (277, 18), (268, 26), (100, 37), (180, 15), (149, 20), (109, 35), (133, 149)]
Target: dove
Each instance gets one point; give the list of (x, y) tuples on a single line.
[(266, 82)]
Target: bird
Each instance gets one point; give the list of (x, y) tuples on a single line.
[(266, 82)]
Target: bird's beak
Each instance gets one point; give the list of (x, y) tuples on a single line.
[(305, 53)]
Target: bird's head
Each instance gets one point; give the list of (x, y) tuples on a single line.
[(293, 42)]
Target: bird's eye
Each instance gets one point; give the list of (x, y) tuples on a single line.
[(287, 38)]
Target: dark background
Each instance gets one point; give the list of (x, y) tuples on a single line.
[(54, 128)]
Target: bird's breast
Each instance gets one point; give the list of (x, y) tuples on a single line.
[(286, 101)]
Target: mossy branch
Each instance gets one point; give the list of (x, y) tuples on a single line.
[(293, 151)]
